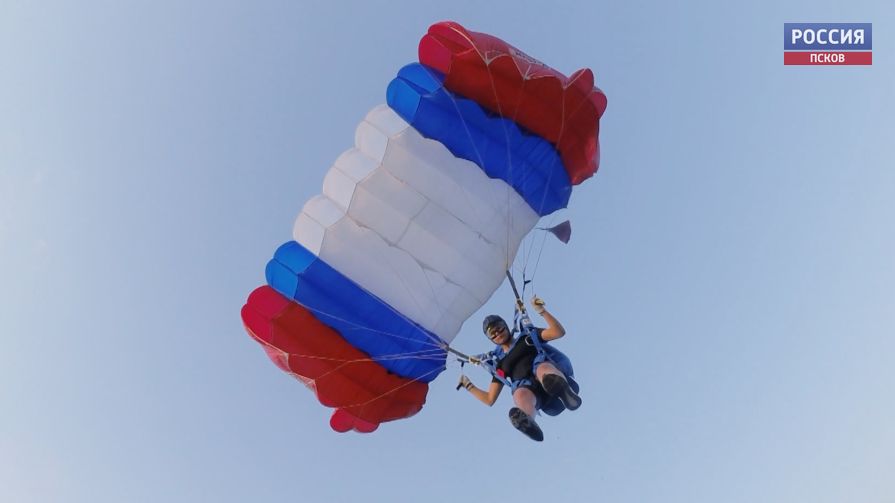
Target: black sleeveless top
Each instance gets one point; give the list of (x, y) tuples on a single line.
[(517, 363)]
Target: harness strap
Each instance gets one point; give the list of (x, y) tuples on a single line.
[(521, 323), (496, 373)]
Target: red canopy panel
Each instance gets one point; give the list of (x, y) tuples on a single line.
[(563, 110), (363, 393)]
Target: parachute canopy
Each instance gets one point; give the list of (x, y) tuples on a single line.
[(417, 223)]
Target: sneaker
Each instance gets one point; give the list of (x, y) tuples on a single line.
[(526, 424), (556, 386)]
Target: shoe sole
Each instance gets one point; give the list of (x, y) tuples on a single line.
[(570, 399), (524, 423), (562, 390)]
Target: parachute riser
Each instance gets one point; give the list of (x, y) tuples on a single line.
[(526, 327), (525, 322)]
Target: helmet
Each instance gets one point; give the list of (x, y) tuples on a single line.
[(490, 321)]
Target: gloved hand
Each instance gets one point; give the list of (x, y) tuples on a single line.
[(464, 382), (475, 361), (537, 304)]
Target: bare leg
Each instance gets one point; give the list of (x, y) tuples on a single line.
[(556, 384), (547, 368), (522, 415), (525, 400)]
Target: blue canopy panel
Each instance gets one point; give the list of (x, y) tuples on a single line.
[(365, 321), (527, 162)]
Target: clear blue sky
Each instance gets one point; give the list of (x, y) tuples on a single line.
[(729, 290)]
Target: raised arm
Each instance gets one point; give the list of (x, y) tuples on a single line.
[(554, 328)]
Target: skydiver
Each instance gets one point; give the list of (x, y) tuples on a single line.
[(539, 375)]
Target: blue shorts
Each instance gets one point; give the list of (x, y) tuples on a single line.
[(549, 405)]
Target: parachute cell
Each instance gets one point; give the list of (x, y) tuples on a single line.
[(363, 393), (528, 163), (365, 321), (420, 229)]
